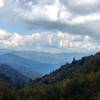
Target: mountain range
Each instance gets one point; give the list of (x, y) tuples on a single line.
[(19, 67), (78, 80), (40, 63)]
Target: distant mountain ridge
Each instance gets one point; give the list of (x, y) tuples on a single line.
[(12, 76), (22, 65), (35, 64)]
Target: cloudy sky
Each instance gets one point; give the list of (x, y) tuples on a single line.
[(50, 25)]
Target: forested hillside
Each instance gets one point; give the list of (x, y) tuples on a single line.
[(79, 80)]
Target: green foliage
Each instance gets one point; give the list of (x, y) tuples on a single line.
[(6, 91), (79, 80)]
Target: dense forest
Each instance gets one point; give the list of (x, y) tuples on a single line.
[(79, 80)]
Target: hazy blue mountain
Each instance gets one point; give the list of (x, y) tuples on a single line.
[(33, 64), (24, 66), (27, 67), (47, 57), (51, 58), (12, 76)]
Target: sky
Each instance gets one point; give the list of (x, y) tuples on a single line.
[(50, 25)]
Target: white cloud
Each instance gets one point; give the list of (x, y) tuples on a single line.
[(48, 42), (43, 15), (1, 3), (82, 2), (51, 12), (85, 18), (53, 15)]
